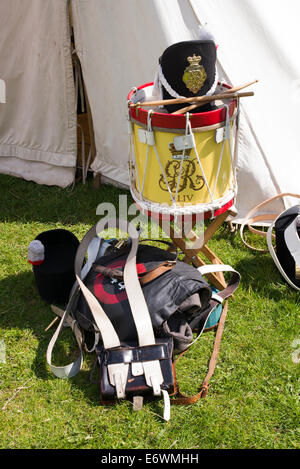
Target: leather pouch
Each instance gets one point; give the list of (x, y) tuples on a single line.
[(133, 354)]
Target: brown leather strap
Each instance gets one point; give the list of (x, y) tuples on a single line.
[(187, 400), (156, 272), (150, 274), (250, 218), (144, 278), (108, 272)]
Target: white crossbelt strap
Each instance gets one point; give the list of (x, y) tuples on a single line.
[(67, 371), (70, 370), (211, 268), (93, 249), (138, 305), (290, 240), (137, 300), (117, 372), (232, 284)]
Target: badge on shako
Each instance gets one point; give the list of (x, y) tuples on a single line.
[(194, 75)]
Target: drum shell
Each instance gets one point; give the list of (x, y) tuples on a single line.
[(192, 188)]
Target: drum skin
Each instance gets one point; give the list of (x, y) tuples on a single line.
[(162, 177)]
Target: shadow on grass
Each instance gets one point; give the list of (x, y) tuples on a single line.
[(23, 314), (259, 274), (21, 308)]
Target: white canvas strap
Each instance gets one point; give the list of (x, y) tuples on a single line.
[(290, 235), (217, 299), (109, 336), (232, 284), (136, 299), (167, 405), (70, 370), (138, 306), (117, 372), (289, 242), (252, 218), (93, 250), (292, 241)]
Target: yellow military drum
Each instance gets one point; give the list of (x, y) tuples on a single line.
[(183, 160)]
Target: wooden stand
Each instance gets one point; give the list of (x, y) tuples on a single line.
[(192, 253)]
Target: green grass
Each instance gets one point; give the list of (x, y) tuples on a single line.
[(253, 401)]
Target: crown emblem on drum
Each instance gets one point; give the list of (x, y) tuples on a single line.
[(194, 75)]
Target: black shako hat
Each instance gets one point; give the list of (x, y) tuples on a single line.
[(188, 69), (55, 276)]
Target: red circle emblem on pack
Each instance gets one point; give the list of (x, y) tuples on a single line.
[(109, 290)]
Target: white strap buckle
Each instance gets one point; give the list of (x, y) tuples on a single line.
[(184, 142), (153, 376), (137, 369), (155, 386), (217, 298), (146, 136), (117, 373)]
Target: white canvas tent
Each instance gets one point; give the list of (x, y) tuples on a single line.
[(118, 43)]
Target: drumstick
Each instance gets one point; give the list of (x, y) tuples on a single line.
[(192, 99), (209, 99), (230, 92), (214, 98)]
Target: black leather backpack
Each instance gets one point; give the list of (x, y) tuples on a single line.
[(136, 306)]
